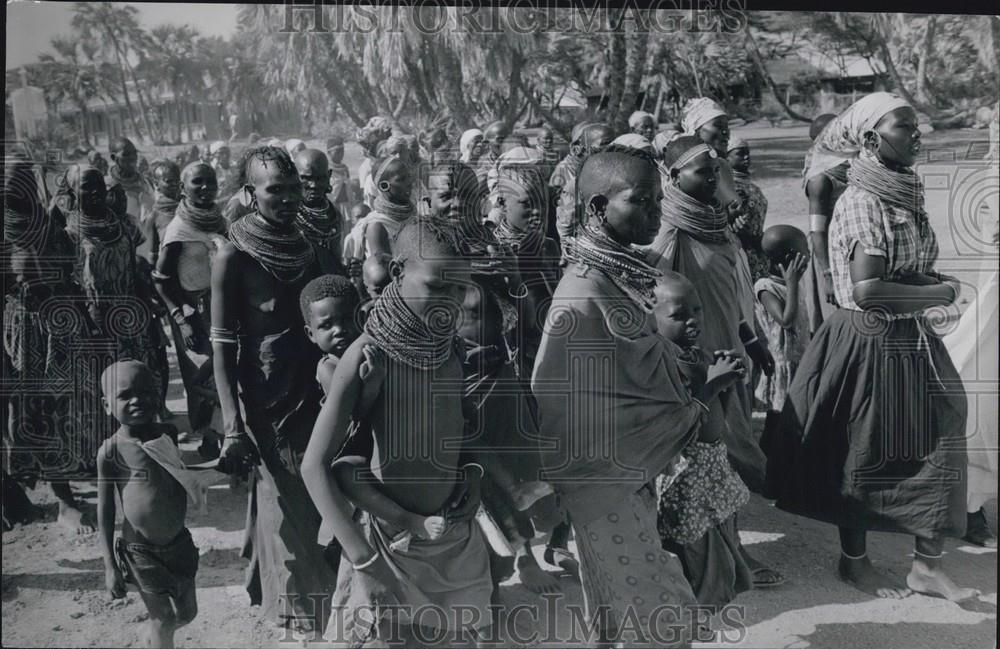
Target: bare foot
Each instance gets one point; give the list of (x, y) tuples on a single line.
[(861, 574), (933, 581), (534, 578), (71, 518), (527, 494)]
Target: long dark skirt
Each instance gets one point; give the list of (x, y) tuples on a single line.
[(873, 431), (288, 575)]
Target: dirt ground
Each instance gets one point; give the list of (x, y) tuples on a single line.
[(53, 593)]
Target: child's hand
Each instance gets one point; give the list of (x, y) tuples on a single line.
[(115, 583), (428, 527), (795, 269), (727, 368), (355, 267), (373, 367)]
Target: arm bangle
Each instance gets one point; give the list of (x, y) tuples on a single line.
[(366, 564), (699, 402), (482, 471), (222, 335), (818, 222), (750, 342)]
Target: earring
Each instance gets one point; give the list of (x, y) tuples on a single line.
[(383, 185)]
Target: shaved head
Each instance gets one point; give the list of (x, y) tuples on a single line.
[(673, 285), (609, 172), (312, 162), (595, 133), (261, 160), (494, 129), (123, 373), (421, 239), (193, 167), (819, 123), (121, 145), (165, 168)]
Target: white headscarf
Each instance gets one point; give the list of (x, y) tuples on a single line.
[(634, 141), (842, 138), (466, 141), (698, 112), (216, 146), (293, 144), (637, 118)]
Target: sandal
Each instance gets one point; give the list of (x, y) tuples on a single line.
[(765, 577)]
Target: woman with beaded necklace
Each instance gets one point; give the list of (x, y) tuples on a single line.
[(392, 208), (183, 277), (631, 404), (264, 361), (106, 269), (319, 220), (696, 241), (872, 435)]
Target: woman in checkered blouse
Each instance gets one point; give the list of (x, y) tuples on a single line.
[(873, 430)]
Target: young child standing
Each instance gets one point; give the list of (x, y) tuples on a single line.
[(697, 509), (781, 314), (155, 551), (409, 324)]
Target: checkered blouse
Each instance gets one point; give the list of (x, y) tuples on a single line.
[(880, 230)]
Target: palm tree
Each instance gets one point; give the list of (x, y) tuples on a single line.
[(171, 56), (112, 27), (74, 76)]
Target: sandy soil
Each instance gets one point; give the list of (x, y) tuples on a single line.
[(53, 592)]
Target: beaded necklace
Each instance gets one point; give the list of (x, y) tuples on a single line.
[(904, 190), (319, 225), (133, 184), (106, 230), (626, 268), (283, 252), (520, 241), (404, 336), (204, 219), (397, 211), (702, 220)]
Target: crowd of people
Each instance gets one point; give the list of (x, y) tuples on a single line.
[(421, 367)]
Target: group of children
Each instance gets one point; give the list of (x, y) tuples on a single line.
[(493, 348)]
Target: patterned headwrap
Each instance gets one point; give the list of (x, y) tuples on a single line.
[(634, 141), (842, 138), (466, 141), (698, 112)]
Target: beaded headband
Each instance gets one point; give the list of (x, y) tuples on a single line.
[(693, 153)]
